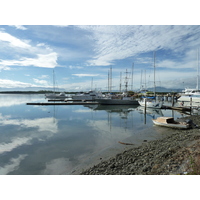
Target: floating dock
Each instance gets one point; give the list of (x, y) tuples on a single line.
[(62, 103)]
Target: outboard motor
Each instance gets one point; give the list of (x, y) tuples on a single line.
[(189, 121)]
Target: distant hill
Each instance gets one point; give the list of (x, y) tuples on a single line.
[(158, 89), (163, 89)]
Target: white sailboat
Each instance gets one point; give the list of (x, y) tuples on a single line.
[(150, 102), (55, 95)]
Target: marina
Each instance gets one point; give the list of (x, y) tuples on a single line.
[(58, 139)]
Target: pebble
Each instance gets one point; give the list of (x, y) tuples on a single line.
[(161, 157)]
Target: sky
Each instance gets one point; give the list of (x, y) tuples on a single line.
[(81, 54), (82, 57)]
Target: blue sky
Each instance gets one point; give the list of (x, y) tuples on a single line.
[(82, 55)]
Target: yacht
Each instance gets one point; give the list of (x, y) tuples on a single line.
[(190, 95)]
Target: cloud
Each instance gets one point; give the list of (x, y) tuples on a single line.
[(42, 82), (20, 27), (119, 42), (13, 41), (4, 68), (85, 75), (5, 83), (42, 60), (75, 67)]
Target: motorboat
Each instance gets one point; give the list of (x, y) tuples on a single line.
[(170, 123), (190, 95)]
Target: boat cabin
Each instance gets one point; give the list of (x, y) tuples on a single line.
[(166, 120)]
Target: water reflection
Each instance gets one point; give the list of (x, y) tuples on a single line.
[(57, 139), (7, 100)]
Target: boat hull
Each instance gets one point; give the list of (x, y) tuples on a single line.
[(117, 102), (171, 125), (151, 104), (76, 97), (190, 98), (54, 96)]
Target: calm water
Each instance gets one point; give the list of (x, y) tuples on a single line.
[(58, 139)]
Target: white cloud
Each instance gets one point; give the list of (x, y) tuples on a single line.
[(5, 83), (43, 77), (75, 67), (42, 60), (119, 42), (84, 75), (13, 41), (20, 27), (42, 82), (4, 68)]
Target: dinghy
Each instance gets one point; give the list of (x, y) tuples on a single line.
[(171, 123)]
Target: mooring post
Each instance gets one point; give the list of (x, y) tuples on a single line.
[(145, 107), (172, 100)]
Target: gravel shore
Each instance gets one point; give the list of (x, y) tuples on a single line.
[(174, 154)]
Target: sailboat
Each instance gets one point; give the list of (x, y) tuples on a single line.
[(150, 102), (120, 99), (192, 94), (54, 95)]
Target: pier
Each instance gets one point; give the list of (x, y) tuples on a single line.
[(63, 103)]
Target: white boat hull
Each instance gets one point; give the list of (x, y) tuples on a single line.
[(150, 104), (178, 125), (194, 98)]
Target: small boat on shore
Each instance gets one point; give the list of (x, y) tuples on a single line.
[(171, 123)]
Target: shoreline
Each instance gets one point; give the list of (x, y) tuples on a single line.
[(171, 154)]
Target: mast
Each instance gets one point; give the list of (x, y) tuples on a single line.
[(54, 82), (141, 87), (154, 53), (132, 77), (92, 84), (111, 79), (120, 84), (108, 82), (198, 69)]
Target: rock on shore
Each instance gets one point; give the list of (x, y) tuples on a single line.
[(170, 155)]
